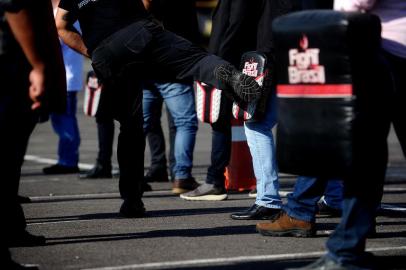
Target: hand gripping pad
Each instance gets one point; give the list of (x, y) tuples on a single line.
[(325, 87), (92, 95), (252, 64)]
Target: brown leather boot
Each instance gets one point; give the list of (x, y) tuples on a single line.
[(185, 185), (285, 225)]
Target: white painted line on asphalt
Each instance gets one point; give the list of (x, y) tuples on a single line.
[(239, 259), (75, 196), (111, 195), (394, 189), (82, 166), (393, 207), (58, 222)]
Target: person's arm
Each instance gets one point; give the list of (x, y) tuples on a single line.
[(353, 5), (68, 33), (147, 4), (21, 26)]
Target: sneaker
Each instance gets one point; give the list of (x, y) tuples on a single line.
[(180, 186), (285, 225), (205, 192), (60, 169), (132, 209), (98, 171), (324, 263), (253, 193), (244, 86), (327, 211)]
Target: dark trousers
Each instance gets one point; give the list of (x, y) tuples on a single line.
[(105, 127), (156, 140), (363, 188), (220, 145), (119, 60), (17, 122), (105, 134), (398, 98)]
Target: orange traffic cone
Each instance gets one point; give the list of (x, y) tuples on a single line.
[(239, 173)]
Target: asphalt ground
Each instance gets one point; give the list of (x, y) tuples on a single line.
[(79, 219)]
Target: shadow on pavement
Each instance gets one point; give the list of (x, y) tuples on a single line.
[(199, 232)]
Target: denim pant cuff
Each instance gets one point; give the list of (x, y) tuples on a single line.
[(269, 204), (293, 214), (182, 176)]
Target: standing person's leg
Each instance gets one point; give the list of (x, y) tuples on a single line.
[(105, 135), (172, 136), (262, 147), (66, 126), (298, 215), (362, 195), (363, 189), (214, 187), (131, 142), (18, 121), (179, 99), (398, 100), (331, 203), (152, 111)]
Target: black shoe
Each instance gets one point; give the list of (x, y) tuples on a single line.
[(327, 211), (156, 176), (25, 239), (132, 209), (23, 199), (244, 86), (256, 212), (60, 169), (146, 187), (98, 171)]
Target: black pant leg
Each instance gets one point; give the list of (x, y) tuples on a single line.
[(221, 145), (156, 139), (105, 133), (398, 114), (131, 139)]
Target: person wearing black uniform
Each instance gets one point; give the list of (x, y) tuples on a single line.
[(125, 44), (25, 79)]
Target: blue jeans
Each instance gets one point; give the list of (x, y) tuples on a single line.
[(262, 147), (179, 99), (364, 187), (302, 203), (66, 126), (333, 194)]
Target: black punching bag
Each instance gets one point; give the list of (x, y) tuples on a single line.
[(328, 89)]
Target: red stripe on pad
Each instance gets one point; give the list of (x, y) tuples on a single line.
[(314, 90)]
